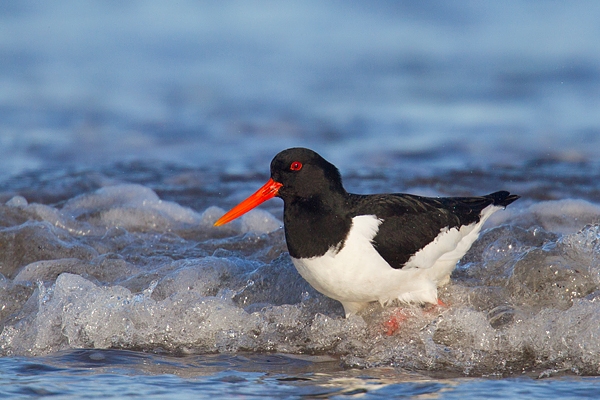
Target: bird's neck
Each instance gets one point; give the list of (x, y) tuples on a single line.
[(315, 225)]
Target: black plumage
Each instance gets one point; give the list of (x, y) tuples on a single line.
[(318, 211)]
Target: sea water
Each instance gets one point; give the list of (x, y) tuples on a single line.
[(127, 130)]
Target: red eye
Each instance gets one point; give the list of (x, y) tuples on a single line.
[(296, 166)]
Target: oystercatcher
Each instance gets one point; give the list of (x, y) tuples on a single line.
[(362, 248)]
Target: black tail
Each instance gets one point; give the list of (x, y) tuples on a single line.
[(502, 198)]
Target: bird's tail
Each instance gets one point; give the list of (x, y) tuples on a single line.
[(502, 198)]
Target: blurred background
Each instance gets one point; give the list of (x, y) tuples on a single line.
[(124, 123), (230, 83)]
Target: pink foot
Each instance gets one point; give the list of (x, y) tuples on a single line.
[(394, 321), (432, 307), (399, 316)]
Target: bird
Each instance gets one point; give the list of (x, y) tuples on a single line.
[(362, 248)]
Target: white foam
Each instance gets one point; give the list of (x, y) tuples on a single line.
[(563, 216), (211, 215), (137, 208), (260, 221), (256, 221), (131, 207), (17, 201), (525, 298)]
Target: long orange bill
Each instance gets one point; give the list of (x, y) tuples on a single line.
[(268, 191)]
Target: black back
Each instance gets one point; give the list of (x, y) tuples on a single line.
[(411, 222)]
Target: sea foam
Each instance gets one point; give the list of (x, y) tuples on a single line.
[(121, 268)]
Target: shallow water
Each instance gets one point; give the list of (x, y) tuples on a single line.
[(126, 131), (120, 374)]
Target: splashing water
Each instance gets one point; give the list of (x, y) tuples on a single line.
[(121, 268)]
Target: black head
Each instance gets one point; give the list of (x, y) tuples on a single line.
[(298, 176), (304, 174)]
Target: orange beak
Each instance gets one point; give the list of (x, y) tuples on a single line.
[(268, 191)]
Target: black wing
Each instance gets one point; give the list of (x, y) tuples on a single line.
[(411, 222)]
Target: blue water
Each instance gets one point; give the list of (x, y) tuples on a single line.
[(122, 126), (205, 83), (122, 374)]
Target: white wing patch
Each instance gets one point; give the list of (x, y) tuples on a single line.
[(451, 244), (363, 226)]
